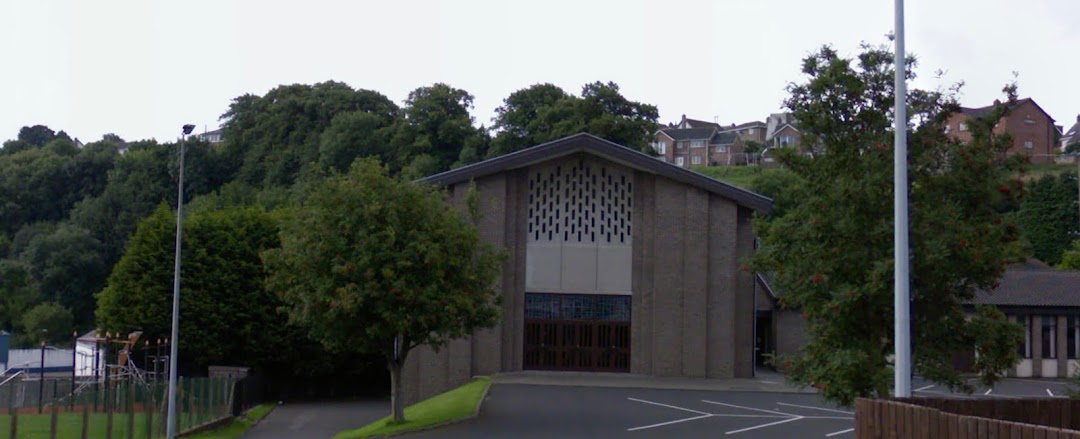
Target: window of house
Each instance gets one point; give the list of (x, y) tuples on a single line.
[(697, 143), (680, 161), (963, 126), (1028, 144), (750, 131), (721, 148), (1028, 120), (696, 160), (1049, 337), (1025, 346), (947, 129), (661, 147), (787, 140), (681, 145), (1072, 336)]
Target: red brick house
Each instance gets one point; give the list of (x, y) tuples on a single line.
[(685, 147), (1031, 128)]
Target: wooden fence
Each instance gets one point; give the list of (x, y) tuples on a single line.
[(954, 418)]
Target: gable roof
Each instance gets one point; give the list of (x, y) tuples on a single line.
[(754, 124), (979, 111), (588, 143), (1027, 287), (724, 138), (694, 123), (678, 134)]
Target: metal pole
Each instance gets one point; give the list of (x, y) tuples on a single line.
[(41, 378), (170, 422), (74, 358), (902, 311)]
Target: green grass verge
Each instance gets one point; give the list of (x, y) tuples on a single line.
[(237, 426), (69, 425), (450, 406), (1036, 171)]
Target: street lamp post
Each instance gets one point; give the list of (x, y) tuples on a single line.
[(170, 422), (901, 264)]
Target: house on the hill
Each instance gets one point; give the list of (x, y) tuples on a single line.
[(1032, 129), (619, 262)]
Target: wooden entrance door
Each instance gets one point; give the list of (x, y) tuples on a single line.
[(577, 332)]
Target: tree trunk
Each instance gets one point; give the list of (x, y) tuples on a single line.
[(397, 400)]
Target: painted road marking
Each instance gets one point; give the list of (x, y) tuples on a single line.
[(924, 388), (816, 408), (988, 391), (748, 408), (668, 406), (790, 419), (669, 422), (836, 433), (1048, 392)]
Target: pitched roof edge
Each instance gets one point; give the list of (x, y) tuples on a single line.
[(587, 142)]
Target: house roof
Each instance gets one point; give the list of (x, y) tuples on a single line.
[(754, 124), (979, 111), (694, 123), (724, 138), (588, 143), (1028, 287), (1074, 131), (678, 134)]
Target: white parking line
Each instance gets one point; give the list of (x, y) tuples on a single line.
[(836, 433), (670, 422), (669, 406), (794, 418), (816, 408), (1048, 392), (924, 388), (988, 391), (748, 408)]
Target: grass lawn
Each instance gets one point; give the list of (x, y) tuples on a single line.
[(69, 425), (453, 405), (741, 176), (236, 427)]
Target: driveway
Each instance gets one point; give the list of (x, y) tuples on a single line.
[(317, 420)]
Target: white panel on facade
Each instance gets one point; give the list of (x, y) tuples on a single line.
[(543, 267), (1023, 368), (613, 269), (1049, 368), (579, 205), (578, 268)]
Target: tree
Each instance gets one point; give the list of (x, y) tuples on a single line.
[(377, 265), (68, 267), (225, 314), (1070, 260), (16, 293), (37, 135), (1048, 216), (543, 113), (351, 135), (831, 250), (50, 319), (436, 129)]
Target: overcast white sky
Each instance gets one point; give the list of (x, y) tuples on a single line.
[(141, 68)]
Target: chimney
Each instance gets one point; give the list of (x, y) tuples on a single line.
[(997, 101)]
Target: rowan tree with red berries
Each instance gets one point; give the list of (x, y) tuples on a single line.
[(831, 251)]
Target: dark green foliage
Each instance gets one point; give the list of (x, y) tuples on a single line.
[(544, 112), (48, 321), (37, 135), (1070, 260), (17, 293), (1072, 148), (67, 266), (225, 315), (436, 128), (268, 139), (831, 246), (1049, 216), (367, 259)]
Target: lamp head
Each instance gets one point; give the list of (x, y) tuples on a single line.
[(188, 128)]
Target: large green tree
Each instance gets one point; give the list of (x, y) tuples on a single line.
[(1049, 218), (377, 265), (544, 112), (436, 131), (269, 139), (68, 266), (1070, 260), (225, 314), (832, 249)]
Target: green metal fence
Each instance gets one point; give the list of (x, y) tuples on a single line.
[(118, 409)]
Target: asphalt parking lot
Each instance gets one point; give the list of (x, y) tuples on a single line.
[(517, 410), (536, 411)]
